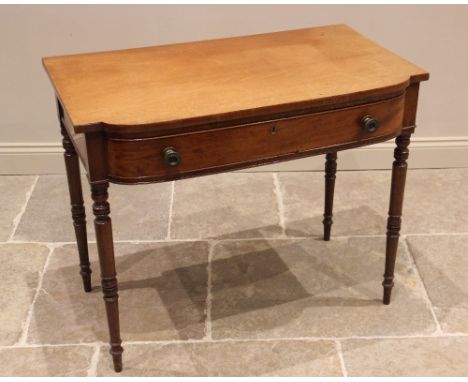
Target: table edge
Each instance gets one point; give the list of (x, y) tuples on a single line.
[(246, 116)]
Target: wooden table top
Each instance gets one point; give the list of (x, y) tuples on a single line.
[(232, 78)]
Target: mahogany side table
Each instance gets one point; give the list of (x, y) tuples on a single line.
[(169, 112)]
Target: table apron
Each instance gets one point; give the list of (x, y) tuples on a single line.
[(210, 151)]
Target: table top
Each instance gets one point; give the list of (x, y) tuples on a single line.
[(232, 78)]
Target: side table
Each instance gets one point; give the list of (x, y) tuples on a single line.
[(169, 112)]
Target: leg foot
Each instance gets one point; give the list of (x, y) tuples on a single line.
[(387, 291), (116, 352), (87, 283), (394, 215), (330, 176)]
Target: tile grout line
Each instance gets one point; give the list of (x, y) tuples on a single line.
[(18, 217), (209, 297), (46, 345), (312, 339), (280, 203), (425, 293), (437, 234), (224, 340), (94, 361), (171, 206), (48, 243), (27, 321), (61, 243), (339, 351)]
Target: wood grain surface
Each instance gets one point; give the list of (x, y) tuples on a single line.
[(210, 81)]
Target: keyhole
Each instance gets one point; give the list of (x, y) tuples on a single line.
[(274, 130)]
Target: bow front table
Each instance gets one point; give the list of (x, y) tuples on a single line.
[(168, 112)]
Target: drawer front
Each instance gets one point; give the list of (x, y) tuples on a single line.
[(246, 145)]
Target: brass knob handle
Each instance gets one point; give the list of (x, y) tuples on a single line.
[(171, 157), (369, 123)]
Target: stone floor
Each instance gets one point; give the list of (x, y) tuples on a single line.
[(227, 275)]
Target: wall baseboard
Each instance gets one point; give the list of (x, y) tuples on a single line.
[(425, 152)]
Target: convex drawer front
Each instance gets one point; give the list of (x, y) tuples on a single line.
[(134, 160)]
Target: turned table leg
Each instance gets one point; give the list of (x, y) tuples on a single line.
[(103, 226), (330, 176), (394, 215), (77, 207)]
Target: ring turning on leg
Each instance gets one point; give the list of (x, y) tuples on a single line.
[(103, 226), (77, 208)]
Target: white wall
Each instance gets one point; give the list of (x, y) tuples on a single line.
[(433, 37)]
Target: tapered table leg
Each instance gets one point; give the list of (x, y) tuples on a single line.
[(330, 176), (77, 207), (105, 246), (394, 215)]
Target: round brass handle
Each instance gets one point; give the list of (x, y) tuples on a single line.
[(369, 123), (171, 157)]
